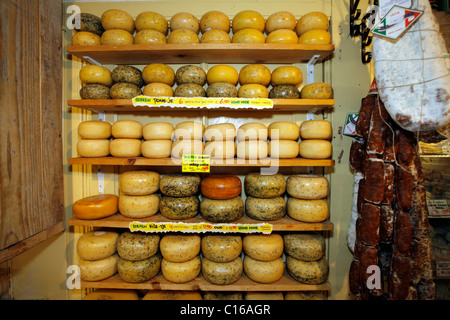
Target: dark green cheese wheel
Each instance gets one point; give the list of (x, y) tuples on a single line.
[(124, 90), (284, 91), (128, 74), (179, 185), (90, 23)]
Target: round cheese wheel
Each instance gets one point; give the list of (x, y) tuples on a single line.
[(180, 247), (172, 295), (221, 248), (222, 273), (255, 73), (138, 206), (222, 210), (264, 185), (92, 73), (215, 36), (265, 209), (183, 36), (125, 147), (179, 207), (139, 270), (96, 207), (280, 20), (263, 247), (96, 270), (158, 89), (315, 149), (127, 129), (220, 149), (86, 38), (189, 130), (184, 20), (96, 245), (317, 90), (248, 19), (116, 37), (253, 90), (214, 20), (181, 147), (93, 148), (252, 131), (309, 187), (158, 72), (190, 74), (283, 130), (222, 73), (94, 129), (221, 186), (263, 271), (156, 149), (139, 183), (286, 75), (149, 36), (137, 246), (117, 19), (189, 90), (124, 90), (220, 131), (151, 20), (282, 36), (264, 295), (179, 185), (307, 210), (305, 246), (252, 149), (248, 36), (316, 36), (308, 272), (305, 295), (283, 149), (112, 294), (214, 295), (158, 131), (312, 21), (316, 129), (181, 272)]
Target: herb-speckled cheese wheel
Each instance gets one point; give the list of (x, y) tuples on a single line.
[(316, 129), (179, 207), (222, 273), (96, 207), (127, 129), (264, 295), (125, 148), (158, 131), (180, 247), (252, 149), (94, 129), (139, 183), (181, 272), (189, 130), (137, 246), (252, 131), (96, 270), (172, 295), (220, 131), (221, 248), (93, 148), (227, 210), (156, 149), (307, 210), (309, 246), (138, 206), (263, 271), (309, 187), (140, 270), (266, 209), (263, 247), (264, 186), (96, 245), (305, 295), (308, 272), (112, 294), (179, 185), (315, 149), (283, 149), (283, 130)]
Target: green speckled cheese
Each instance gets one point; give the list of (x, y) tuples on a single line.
[(137, 246), (308, 272), (139, 271), (180, 185), (190, 74), (222, 273), (95, 91), (264, 186), (124, 90), (221, 248), (265, 209), (305, 246), (222, 210), (128, 74), (179, 207)]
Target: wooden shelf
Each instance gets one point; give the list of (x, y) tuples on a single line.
[(283, 224), (286, 283), (233, 53)]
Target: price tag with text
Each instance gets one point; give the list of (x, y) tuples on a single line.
[(195, 163)]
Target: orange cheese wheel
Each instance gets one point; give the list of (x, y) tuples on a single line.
[(184, 20), (286, 75), (253, 90), (248, 36), (96, 207), (312, 21), (214, 20), (158, 89), (221, 186), (222, 73), (117, 19), (86, 38), (151, 20), (149, 36), (315, 149), (317, 36), (255, 73), (92, 73), (158, 72), (316, 129), (248, 19), (116, 37)]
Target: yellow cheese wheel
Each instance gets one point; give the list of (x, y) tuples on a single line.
[(179, 208), (266, 209), (158, 72), (96, 207), (264, 185), (93, 148), (184, 20), (317, 36), (263, 271), (317, 90), (221, 248), (179, 185), (220, 149), (183, 36), (136, 246), (248, 36), (180, 247), (181, 272), (189, 130), (112, 294), (307, 210), (158, 131), (222, 73), (286, 75), (149, 36), (222, 273), (220, 131), (309, 187), (86, 38), (282, 36), (138, 206), (253, 90), (283, 130), (312, 21), (139, 183), (96, 245), (305, 246), (215, 36), (283, 149), (264, 295), (139, 270), (151, 20), (263, 247), (92, 73), (94, 129), (315, 149), (255, 73), (214, 20), (156, 149), (308, 272), (252, 149), (227, 210), (280, 20), (116, 37), (316, 129), (128, 129), (158, 89), (125, 147), (181, 147), (248, 19), (305, 295), (117, 19), (96, 270), (172, 295), (252, 131)]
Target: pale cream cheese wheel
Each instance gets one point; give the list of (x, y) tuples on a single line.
[(156, 149), (263, 247), (263, 271), (283, 130), (139, 270), (94, 129), (220, 131), (97, 245), (315, 149), (158, 131), (252, 131), (139, 183), (307, 210), (283, 149), (220, 149), (181, 272), (125, 148), (252, 149), (307, 186), (90, 148), (189, 130), (138, 206), (137, 246), (127, 129), (221, 248), (180, 247), (316, 129), (96, 270), (181, 147), (222, 273)]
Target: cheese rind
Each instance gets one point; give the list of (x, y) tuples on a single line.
[(156, 149), (316, 129), (181, 147), (93, 148), (220, 131), (307, 210), (138, 206), (139, 183), (139, 270), (315, 149), (125, 148), (189, 130), (181, 272), (252, 131), (227, 210), (180, 247), (137, 246), (283, 149), (264, 186), (263, 247), (263, 271), (127, 129), (222, 273), (221, 248), (252, 149), (179, 185), (267, 209), (96, 245), (94, 129), (158, 131), (308, 187), (283, 130), (308, 246), (96, 270), (220, 149), (96, 207), (179, 207), (221, 187)]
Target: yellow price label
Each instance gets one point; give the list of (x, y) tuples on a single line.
[(200, 102), (195, 163)]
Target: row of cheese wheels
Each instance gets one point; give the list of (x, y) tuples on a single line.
[(221, 200), (117, 27), (220, 258), (163, 140)]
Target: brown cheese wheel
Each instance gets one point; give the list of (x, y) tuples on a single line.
[(221, 187), (96, 207)]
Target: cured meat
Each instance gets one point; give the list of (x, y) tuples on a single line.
[(402, 233), (362, 125), (374, 181), (399, 277), (389, 177), (404, 181), (376, 140), (369, 229), (386, 223)]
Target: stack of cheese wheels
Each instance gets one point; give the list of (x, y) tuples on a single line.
[(219, 141), (254, 80), (139, 259), (248, 27), (315, 135), (97, 253), (285, 81), (307, 198), (138, 194), (312, 28), (94, 140), (221, 201), (128, 82), (89, 31), (159, 79), (265, 199), (190, 80), (119, 27), (96, 82), (188, 136), (215, 27), (127, 138), (181, 257), (179, 196), (280, 28), (305, 257), (222, 80), (222, 263), (96, 207), (151, 28), (283, 137), (157, 140), (252, 141), (263, 260)]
